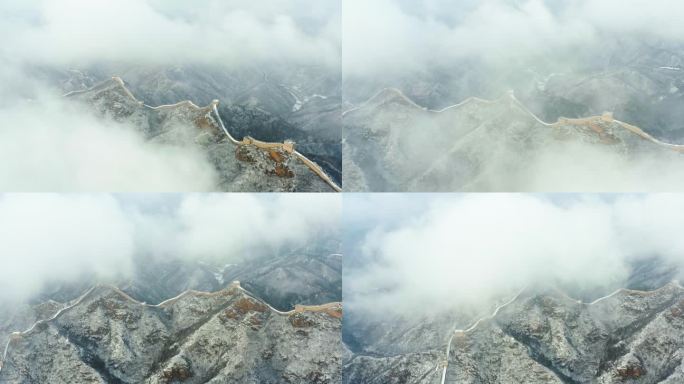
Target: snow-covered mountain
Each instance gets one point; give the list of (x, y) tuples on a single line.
[(242, 165), (299, 104), (228, 336), (391, 143), (537, 335), (175, 319)]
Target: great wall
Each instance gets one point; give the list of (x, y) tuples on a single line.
[(595, 123), (460, 333), (333, 309), (285, 147)]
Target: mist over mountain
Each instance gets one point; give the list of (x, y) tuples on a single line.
[(274, 68), (274, 104), (393, 144), (225, 336), (224, 287), (507, 288), (116, 236), (559, 59)]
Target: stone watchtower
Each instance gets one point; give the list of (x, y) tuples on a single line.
[(288, 146)]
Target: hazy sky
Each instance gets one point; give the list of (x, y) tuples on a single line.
[(48, 236), (405, 35), (468, 248), (79, 32)]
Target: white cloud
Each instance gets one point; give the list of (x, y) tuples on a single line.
[(391, 35), (586, 168), (215, 226), (658, 18), (82, 32), (50, 145), (471, 248), (46, 237)]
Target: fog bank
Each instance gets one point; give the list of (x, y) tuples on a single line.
[(47, 237), (469, 249)]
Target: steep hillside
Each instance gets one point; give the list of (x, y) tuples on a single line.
[(548, 337), (228, 336)]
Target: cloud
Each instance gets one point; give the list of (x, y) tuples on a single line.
[(230, 33), (495, 158), (46, 237), (587, 168), (50, 145), (467, 249), (657, 18), (569, 167), (563, 59), (402, 37), (52, 237), (252, 222)]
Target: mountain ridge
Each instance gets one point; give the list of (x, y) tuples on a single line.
[(391, 144), (607, 318), (187, 314), (389, 95), (210, 112)]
